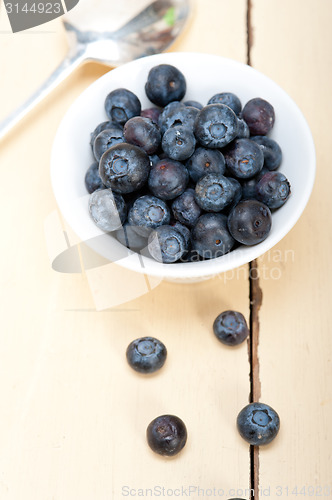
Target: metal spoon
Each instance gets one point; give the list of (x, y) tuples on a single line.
[(151, 31)]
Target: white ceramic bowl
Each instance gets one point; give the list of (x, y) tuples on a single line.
[(206, 75)]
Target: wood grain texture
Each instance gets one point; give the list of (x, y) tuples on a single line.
[(73, 415), (292, 44)]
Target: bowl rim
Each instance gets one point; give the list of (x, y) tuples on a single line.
[(233, 259)]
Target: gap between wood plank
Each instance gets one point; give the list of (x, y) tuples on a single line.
[(256, 296)]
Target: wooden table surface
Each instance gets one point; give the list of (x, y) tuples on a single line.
[(72, 414)]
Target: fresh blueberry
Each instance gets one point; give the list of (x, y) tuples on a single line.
[(259, 115), (185, 208), (214, 192), (216, 125), (102, 126), (105, 140), (168, 179), (205, 161), (146, 354), (210, 236), (154, 159), (167, 244), (147, 213), (142, 132), (165, 84), (124, 168), (237, 192), (107, 209), (258, 423), (166, 435), (273, 189), (243, 130), (231, 328), (186, 233), (92, 178), (178, 143), (250, 222), (271, 151), (193, 104), (231, 100), (176, 113), (152, 113), (122, 104), (249, 185), (244, 158), (129, 238)]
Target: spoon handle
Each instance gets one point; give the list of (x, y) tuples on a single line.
[(71, 61)]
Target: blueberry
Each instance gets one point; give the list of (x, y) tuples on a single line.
[(142, 132), (178, 143), (205, 161), (249, 185), (165, 84), (102, 126), (250, 222), (168, 179), (146, 354), (214, 192), (244, 158), (147, 213), (186, 233), (271, 151), (216, 125), (167, 435), (243, 130), (167, 244), (210, 236), (124, 168), (193, 104), (122, 104), (152, 113), (185, 208), (231, 100), (258, 423), (259, 115), (154, 159), (105, 140), (107, 209), (231, 328), (176, 113), (128, 237), (237, 188), (92, 178), (273, 189)]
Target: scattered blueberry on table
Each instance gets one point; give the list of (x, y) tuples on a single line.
[(210, 168), (230, 327), (167, 435), (146, 354), (258, 423)]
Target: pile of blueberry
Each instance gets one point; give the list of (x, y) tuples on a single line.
[(187, 181), (257, 423)]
